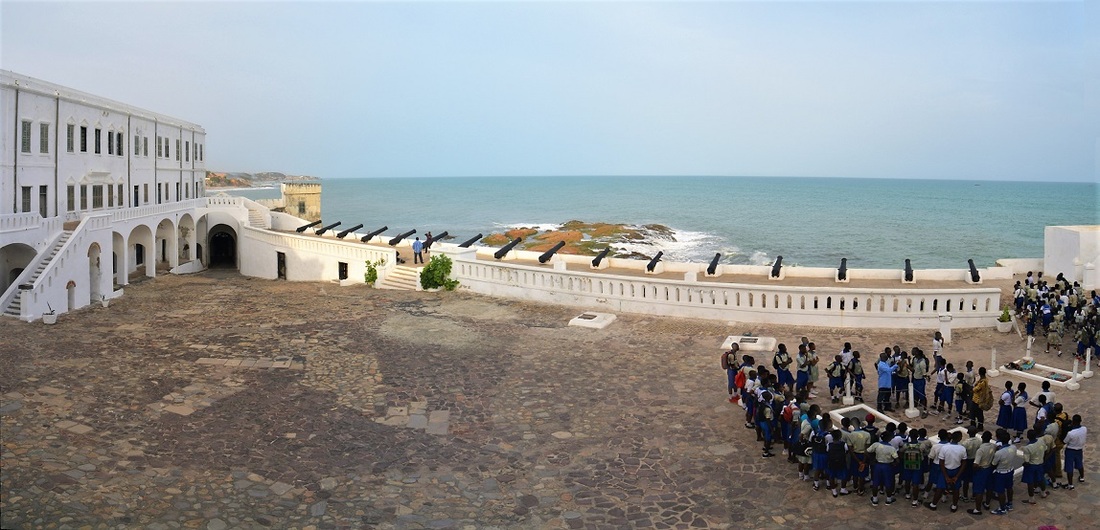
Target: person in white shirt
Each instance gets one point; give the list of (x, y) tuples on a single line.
[(1075, 448), (952, 459)]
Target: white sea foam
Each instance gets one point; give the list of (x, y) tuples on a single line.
[(760, 257), (541, 227)]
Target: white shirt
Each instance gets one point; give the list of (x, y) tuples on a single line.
[(846, 357), (952, 455), (1006, 398), (1075, 438)]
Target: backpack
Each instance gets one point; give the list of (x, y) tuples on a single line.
[(739, 379), (911, 457), (837, 459), (726, 360), (817, 441), (788, 413), (835, 369)]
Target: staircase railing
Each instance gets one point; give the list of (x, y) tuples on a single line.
[(29, 307)]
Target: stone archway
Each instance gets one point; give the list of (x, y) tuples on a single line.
[(14, 258), (222, 242), (140, 246), (166, 242), (186, 238)]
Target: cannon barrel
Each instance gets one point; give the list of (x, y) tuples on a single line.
[(327, 228), (550, 253), (653, 262), (600, 257), (348, 231), (428, 242), (303, 228), (908, 271), (974, 276), (713, 268), (777, 266), (842, 272), (399, 237), (372, 234), (504, 250), (471, 241)]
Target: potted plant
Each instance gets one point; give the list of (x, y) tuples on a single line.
[(371, 276), (49, 317), (1004, 322)]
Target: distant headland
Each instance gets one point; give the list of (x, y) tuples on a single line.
[(252, 180)]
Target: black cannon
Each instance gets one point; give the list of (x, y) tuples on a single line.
[(301, 229), (372, 234), (428, 242), (713, 268), (777, 266), (327, 228), (974, 276), (396, 240), (471, 241), (842, 272), (653, 262), (504, 250), (600, 257), (908, 271), (550, 253), (348, 231)]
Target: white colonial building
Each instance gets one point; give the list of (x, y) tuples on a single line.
[(91, 191)]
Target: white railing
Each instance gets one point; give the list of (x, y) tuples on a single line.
[(219, 201), (19, 221), (74, 248), (796, 305), (28, 271), (127, 214)]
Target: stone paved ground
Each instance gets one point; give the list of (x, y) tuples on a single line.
[(352, 408)]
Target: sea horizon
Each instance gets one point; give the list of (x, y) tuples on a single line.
[(810, 221)]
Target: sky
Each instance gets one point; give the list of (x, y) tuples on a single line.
[(936, 90)]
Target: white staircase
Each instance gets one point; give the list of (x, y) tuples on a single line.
[(402, 278), (14, 309), (257, 219)]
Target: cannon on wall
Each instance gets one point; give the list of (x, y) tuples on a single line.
[(506, 248), (399, 237), (599, 257), (344, 233), (303, 228), (471, 241), (374, 233), (653, 262), (550, 253), (322, 231), (428, 242), (777, 266), (842, 272), (974, 276), (713, 268), (908, 271)]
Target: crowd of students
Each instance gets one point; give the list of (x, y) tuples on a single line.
[(1056, 310), (897, 460)]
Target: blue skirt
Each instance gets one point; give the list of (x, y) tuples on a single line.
[(1019, 419), (1004, 417)]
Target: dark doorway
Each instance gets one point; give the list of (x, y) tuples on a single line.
[(223, 250), (164, 250), (139, 254), (343, 270), (281, 266)]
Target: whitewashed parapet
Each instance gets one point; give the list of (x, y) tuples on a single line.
[(769, 304), (311, 258), (155, 210), (70, 261)]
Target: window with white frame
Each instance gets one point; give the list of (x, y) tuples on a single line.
[(145, 146), (70, 132), (71, 196), (97, 196), (98, 140), (43, 138), (118, 142), (110, 142), (26, 199), (121, 197), (83, 138), (177, 150), (186, 151), (83, 196), (110, 196)]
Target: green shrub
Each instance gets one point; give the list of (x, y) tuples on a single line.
[(437, 274), (371, 275), (1005, 317)]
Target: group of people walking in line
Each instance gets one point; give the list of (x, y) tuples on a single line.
[(978, 466), (1056, 310)]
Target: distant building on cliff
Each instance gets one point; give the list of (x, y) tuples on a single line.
[(300, 199)]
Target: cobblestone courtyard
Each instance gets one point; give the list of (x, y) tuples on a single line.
[(218, 401)]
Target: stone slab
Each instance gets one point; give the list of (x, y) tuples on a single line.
[(593, 320), (750, 344), (182, 410)]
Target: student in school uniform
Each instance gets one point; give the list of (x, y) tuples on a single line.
[(983, 471), (1034, 456), (1004, 415), (1005, 462), (1075, 449), (882, 474), (1019, 412)]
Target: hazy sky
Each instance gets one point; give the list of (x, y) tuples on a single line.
[(976, 90)]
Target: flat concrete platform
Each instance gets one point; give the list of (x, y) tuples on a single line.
[(418, 410)]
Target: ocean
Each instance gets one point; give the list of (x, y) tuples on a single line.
[(875, 223)]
